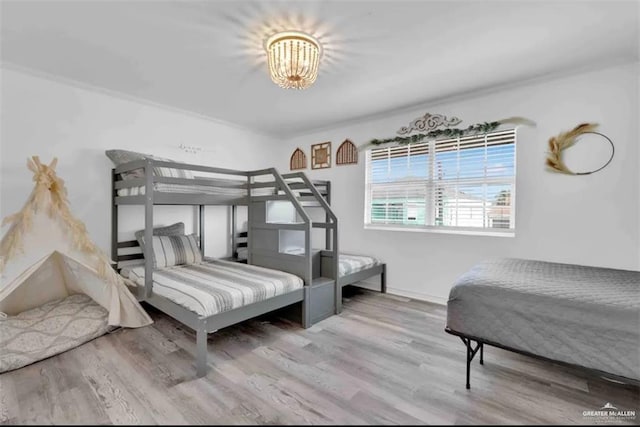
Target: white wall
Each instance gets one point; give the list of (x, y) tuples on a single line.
[(49, 118), (591, 220)]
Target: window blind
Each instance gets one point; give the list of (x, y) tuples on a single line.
[(459, 183)]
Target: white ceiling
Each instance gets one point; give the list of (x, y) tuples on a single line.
[(206, 57)]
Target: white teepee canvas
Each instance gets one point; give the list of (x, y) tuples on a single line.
[(47, 254)]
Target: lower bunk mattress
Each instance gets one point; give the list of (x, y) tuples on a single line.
[(586, 316), (347, 264), (350, 263), (216, 286)]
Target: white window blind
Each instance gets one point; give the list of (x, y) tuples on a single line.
[(465, 183)]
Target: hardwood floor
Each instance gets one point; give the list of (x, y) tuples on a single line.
[(384, 360)]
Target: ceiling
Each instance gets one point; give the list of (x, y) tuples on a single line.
[(206, 57)]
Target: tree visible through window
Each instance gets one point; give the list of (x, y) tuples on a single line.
[(462, 183)]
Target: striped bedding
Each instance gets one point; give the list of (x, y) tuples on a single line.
[(216, 286), (349, 263)]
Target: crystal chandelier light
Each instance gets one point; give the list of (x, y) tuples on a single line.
[(293, 59)]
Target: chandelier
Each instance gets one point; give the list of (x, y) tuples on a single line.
[(293, 59)]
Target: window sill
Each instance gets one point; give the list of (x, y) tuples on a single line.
[(467, 232)]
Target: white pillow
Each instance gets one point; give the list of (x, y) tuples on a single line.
[(119, 157)]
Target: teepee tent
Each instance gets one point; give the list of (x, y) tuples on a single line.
[(47, 254)]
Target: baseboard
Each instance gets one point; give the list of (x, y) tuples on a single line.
[(417, 295), (375, 286)]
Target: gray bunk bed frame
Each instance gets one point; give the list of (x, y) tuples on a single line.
[(299, 265), (300, 182)]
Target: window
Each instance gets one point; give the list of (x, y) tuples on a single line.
[(461, 184)]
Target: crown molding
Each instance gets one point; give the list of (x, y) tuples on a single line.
[(127, 97)]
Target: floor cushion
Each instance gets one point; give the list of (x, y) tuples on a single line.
[(50, 329)]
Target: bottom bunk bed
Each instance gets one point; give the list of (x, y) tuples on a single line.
[(353, 269), (571, 314), (213, 294)]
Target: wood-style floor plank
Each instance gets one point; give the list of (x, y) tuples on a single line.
[(384, 360)]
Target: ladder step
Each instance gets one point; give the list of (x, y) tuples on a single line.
[(307, 194)]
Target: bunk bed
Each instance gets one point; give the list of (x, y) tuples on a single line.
[(225, 292), (351, 268)]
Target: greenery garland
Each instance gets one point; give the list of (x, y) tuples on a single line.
[(485, 127), (448, 132)]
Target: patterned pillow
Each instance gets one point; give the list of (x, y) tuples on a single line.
[(119, 157), (176, 229), (175, 250)]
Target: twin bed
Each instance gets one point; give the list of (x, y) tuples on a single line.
[(352, 269), (356, 268), (572, 314)]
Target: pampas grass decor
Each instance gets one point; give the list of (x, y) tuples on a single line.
[(557, 144)]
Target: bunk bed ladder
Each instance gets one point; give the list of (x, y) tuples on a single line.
[(308, 192)]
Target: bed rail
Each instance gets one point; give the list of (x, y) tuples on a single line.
[(222, 186)]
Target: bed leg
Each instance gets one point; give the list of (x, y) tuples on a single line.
[(383, 279), (338, 298), (471, 353), (306, 308), (201, 351), (469, 357)]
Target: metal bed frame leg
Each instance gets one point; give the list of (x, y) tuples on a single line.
[(201, 351), (471, 352), (383, 279), (469, 357)]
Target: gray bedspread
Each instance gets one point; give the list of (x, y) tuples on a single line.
[(586, 316)]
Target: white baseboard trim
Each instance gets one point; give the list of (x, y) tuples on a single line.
[(375, 285), (417, 295)]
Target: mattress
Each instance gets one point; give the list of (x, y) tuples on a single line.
[(216, 286), (200, 189), (586, 316), (349, 263)]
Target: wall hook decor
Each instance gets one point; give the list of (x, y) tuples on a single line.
[(564, 140), (191, 149)]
